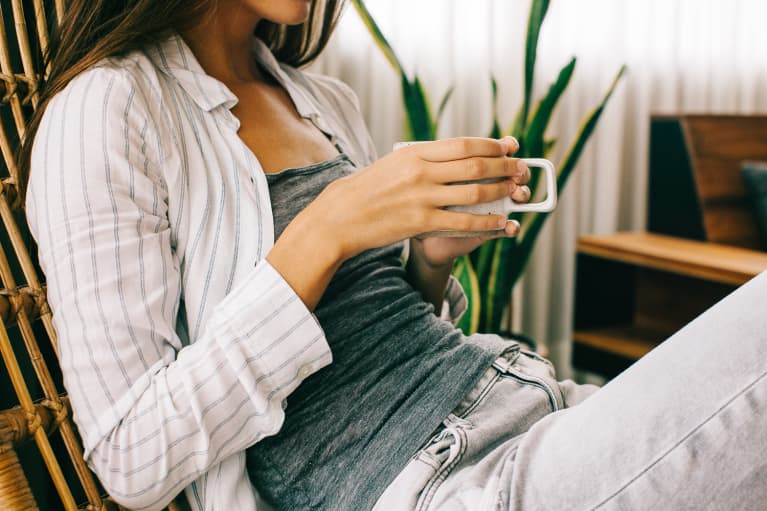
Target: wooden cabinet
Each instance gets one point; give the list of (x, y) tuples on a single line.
[(696, 189), (633, 290)]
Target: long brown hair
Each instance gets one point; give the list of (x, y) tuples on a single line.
[(92, 30)]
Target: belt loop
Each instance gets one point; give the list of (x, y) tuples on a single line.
[(502, 364), (507, 358), (454, 420)]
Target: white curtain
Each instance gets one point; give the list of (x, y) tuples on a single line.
[(702, 56)]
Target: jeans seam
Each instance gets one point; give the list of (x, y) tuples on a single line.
[(426, 459), (481, 397), (681, 440), (538, 383), (534, 356)]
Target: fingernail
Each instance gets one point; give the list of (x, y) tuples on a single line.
[(522, 167), (510, 144)]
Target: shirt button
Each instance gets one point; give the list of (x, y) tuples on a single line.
[(305, 371)]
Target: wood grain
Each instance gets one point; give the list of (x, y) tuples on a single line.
[(696, 188), (711, 261), (630, 341), (666, 302), (717, 146)]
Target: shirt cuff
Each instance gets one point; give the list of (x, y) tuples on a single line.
[(455, 302), (277, 335)]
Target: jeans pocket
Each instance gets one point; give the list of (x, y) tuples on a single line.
[(444, 452), (414, 487), (476, 395), (531, 370), (485, 384)]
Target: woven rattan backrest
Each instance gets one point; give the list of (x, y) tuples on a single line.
[(41, 459)]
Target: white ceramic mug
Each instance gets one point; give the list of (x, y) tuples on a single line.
[(506, 206)]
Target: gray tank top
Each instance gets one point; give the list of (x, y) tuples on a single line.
[(397, 372)]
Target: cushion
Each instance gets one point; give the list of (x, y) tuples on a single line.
[(755, 177)]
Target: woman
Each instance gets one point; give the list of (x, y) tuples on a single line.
[(222, 253)]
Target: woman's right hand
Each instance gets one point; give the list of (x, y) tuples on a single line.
[(403, 193), (400, 196)]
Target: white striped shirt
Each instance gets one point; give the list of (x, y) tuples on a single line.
[(179, 342)]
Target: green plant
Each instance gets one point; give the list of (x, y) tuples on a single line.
[(489, 273)]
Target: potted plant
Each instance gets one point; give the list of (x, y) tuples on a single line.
[(489, 273)]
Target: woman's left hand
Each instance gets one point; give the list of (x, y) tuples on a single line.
[(439, 252)]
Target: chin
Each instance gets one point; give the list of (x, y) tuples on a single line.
[(301, 14), (282, 12)]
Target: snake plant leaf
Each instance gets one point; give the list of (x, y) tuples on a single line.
[(489, 273), (378, 36), (482, 259), (537, 15), (443, 104), (464, 272), (419, 124), (495, 130), (534, 137), (545, 109), (474, 255), (517, 126), (568, 164), (496, 292), (548, 146), (587, 128)]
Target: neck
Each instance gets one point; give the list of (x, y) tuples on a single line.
[(222, 44)]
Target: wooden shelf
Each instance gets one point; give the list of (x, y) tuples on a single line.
[(635, 289), (629, 341), (711, 261)]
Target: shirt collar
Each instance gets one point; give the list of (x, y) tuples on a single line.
[(174, 58), (303, 101)]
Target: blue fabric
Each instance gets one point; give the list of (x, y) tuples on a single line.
[(755, 177)]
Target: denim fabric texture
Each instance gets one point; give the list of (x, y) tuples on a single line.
[(685, 428)]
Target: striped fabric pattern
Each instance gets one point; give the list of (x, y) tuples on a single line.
[(179, 342)]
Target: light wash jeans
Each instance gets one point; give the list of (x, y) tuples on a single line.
[(685, 428)]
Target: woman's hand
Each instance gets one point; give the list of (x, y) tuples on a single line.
[(438, 252), (400, 196), (431, 261), (431, 258)]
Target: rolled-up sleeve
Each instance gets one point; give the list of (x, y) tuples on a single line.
[(154, 414), (455, 302)]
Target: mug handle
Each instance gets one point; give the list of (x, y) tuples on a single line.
[(547, 204)]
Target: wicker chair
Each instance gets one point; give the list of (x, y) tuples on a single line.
[(41, 458)]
